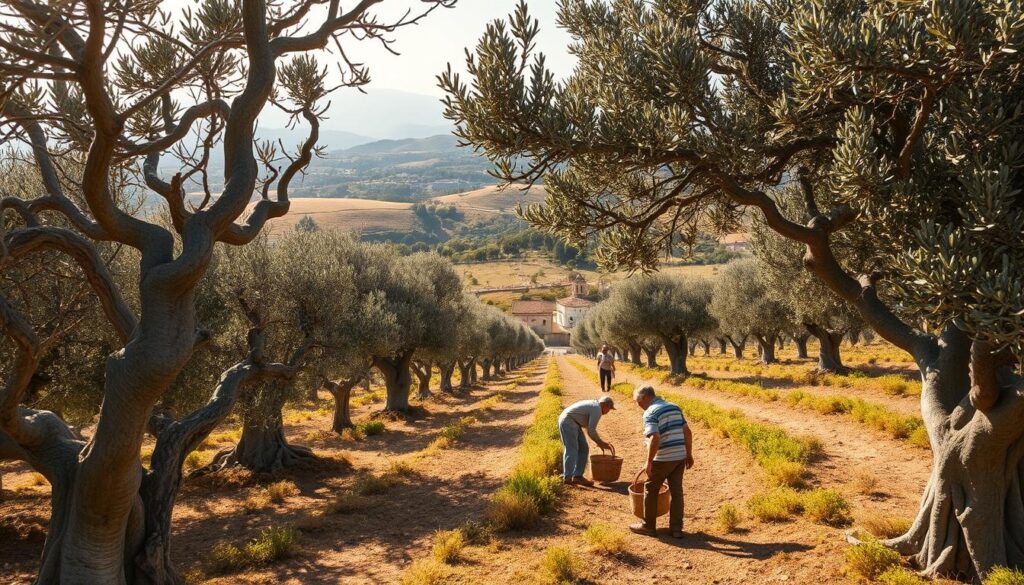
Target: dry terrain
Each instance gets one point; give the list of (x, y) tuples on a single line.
[(518, 272), (431, 485), (365, 216)]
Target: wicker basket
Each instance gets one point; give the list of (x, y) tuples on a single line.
[(605, 468), (636, 496)]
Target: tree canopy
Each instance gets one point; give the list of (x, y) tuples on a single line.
[(899, 123)]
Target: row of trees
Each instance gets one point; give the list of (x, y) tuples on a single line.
[(356, 307), (750, 300), (893, 128)]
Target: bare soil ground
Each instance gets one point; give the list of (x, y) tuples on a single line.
[(453, 485)]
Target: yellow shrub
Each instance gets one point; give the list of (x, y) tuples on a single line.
[(448, 546), (561, 566), (425, 572), (729, 517), (280, 491), (1004, 576), (601, 538), (871, 559), (775, 506), (826, 506)]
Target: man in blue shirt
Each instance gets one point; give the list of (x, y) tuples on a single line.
[(581, 415), (669, 453)]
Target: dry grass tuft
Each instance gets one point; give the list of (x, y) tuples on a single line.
[(512, 511), (273, 543), (560, 566), (280, 491), (256, 501), (372, 485), (729, 517), (602, 539), (347, 503), (864, 483), (900, 576), (425, 572), (870, 560), (448, 546), (883, 527)]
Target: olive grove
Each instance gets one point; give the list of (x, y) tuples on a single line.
[(744, 307), (815, 308), (901, 121), (103, 95)]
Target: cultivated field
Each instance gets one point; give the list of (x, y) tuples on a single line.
[(788, 463), (489, 201), (365, 216), (518, 272)]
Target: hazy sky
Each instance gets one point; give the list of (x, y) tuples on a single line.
[(442, 36)]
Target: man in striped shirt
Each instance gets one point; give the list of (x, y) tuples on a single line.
[(669, 452)]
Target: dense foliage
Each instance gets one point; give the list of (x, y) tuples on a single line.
[(899, 125)]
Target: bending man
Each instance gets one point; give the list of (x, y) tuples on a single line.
[(584, 414)]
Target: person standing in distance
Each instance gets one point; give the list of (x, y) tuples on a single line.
[(606, 367)]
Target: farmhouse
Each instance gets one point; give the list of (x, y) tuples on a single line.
[(536, 314), (571, 309), (554, 321), (738, 242)]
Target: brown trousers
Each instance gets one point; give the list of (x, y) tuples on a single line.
[(662, 471)]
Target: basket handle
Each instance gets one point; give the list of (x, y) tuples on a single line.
[(610, 448), (636, 479)]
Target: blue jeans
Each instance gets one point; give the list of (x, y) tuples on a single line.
[(576, 451)]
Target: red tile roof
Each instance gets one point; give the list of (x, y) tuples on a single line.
[(575, 302), (532, 307)]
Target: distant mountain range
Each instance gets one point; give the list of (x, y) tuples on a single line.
[(377, 114), (440, 143)]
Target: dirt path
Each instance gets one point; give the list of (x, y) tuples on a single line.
[(797, 552), (851, 450), (377, 544)]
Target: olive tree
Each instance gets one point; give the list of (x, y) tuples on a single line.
[(815, 308), (902, 123), (670, 308), (742, 305), (363, 328), (134, 88), (424, 298), (304, 296)]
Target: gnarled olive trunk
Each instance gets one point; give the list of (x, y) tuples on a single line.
[(766, 345), (652, 357), (263, 447), (447, 369), (723, 345), (738, 345), (676, 350), (423, 371), (829, 356), (467, 368), (706, 345), (634, 353), (397, 380), (485, 366), (972, 513), (692, 348), (342, 393), (800, 341), (97, 513)]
